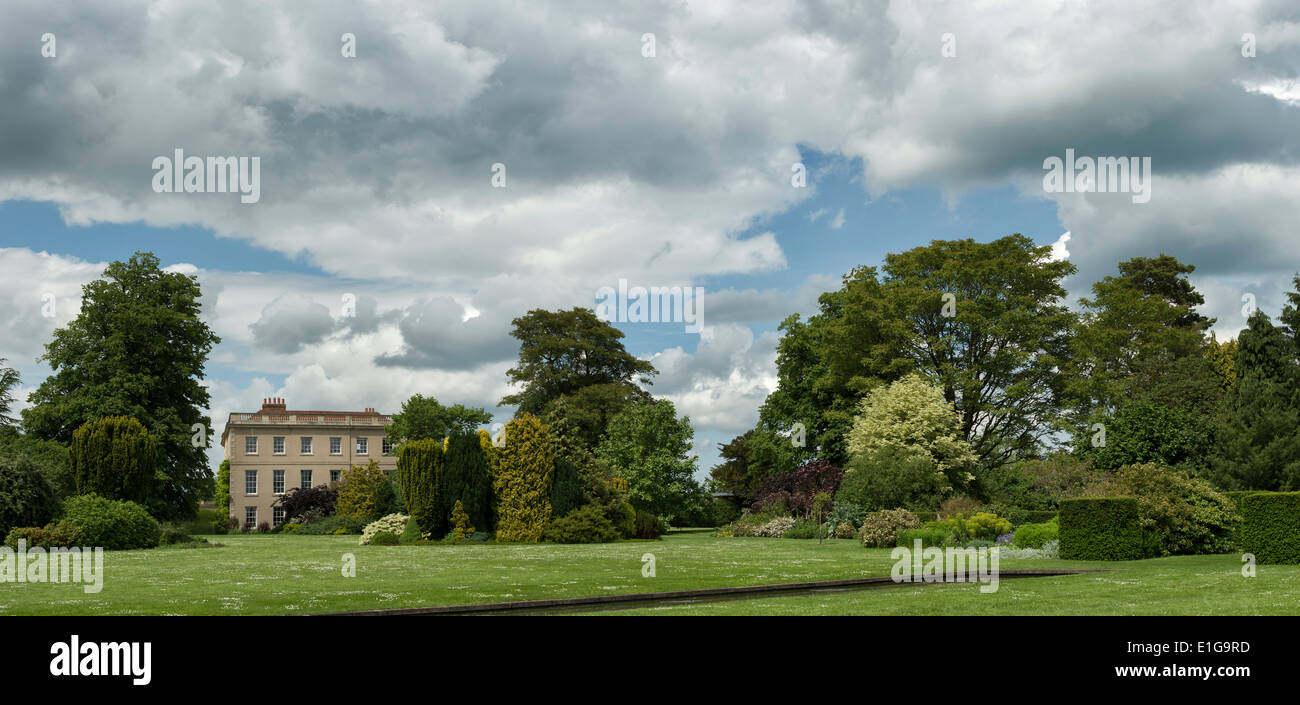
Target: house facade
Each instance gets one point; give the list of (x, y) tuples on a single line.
[(276, 449)]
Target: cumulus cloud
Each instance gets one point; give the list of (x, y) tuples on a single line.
[(291, 322)]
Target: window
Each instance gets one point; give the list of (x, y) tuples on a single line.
[(306, 445), (336, 475), (305, 476), (250, 445), (277, 481), (250, 482), (362, 445), (388, 446), (250, 517), (277, 445), (277, 516), (336, 446)]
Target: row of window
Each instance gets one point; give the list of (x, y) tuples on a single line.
[(250, 516), (304, 447), (277, 480)]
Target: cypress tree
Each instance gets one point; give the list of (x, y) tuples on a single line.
[(420, 475), (1259, 433), (524, 479), (114, 457), (468, 481)]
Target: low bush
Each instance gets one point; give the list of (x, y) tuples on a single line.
[(1186, 514), (111, 524), (55, 535), (26, 498), (775, 528), (982, 526), (1035, 535), (174, 535), (804, 528), (393, 524), (384, 538), (880, 529), (332, 525), (845, 511), (648, 526), (928, 537), (1270, 526), (845, 530), (1100, 529), (1050, 549), (308, 502), (583, 525)]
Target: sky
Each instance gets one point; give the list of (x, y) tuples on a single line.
[(661, 143)]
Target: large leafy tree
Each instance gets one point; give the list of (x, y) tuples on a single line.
[(1145, 432), (561, 352), (986, 322), (423, 418), (651, 448), (583, 415), (137, 348), (1259, 431)]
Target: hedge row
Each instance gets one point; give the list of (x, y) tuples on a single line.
[(1100, 529), (1270, 526)]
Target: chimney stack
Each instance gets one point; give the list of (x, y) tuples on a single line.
[(273, 404)]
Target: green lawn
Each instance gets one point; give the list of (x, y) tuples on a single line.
[(279, 574)]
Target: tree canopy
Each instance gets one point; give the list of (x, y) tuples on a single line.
[(137, 348)]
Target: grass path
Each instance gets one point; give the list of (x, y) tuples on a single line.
[(286, 574)]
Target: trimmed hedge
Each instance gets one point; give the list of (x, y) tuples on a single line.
[(1100, 529), (1270, 526)]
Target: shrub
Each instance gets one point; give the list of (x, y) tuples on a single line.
[(1035, 535), (804, 528), (880, 529), (420, 467), (584, 525), (112, 524), (982, 526), (384, 538), (61, 534), (844, 511), (365, 494), (468, 479), (893, 477), (845, 530), (26, 498), (1050, 549), (461, 529), (318, 501), (776, 528), (1186, 514), (1270, 526), (928, 537), (1100, 529), (332, 525), (522, 486), (113, 457), (796, 490), (411, 533), (648, 526), (393, 524), (263, 527), (173, 535)]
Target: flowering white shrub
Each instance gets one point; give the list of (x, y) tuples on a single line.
[(776, 528), (394, 524)]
